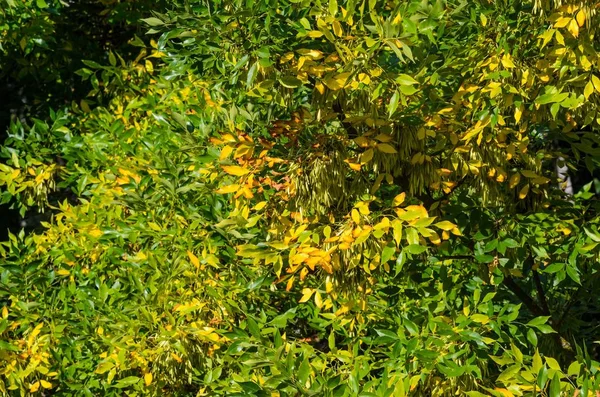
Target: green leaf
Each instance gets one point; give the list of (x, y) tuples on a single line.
[(393, 103), (125, 382), (573, 273), (152, 21), (387, 253), (532, 337), (290, 82), (538, 321), (555, 386), (415, 249), (333, 7), (304, 371), (252, 74), (551, 98), (404, 79)]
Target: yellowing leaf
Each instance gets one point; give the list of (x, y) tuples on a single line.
[(225, 152), (35, 387), (562, 22), (320, 87), (514, 180), (573, 28), (96, 232), (355, 216), (306, 294), (366, 156), (399, 199), (445, 225), (148, 378), (314, 54), (84, 106), (386, 148), (228, 189), (318, 300), (504, 392), (596, 82), (523, 192), (63, 272), (337, 82), (480, 318), (518, 113), (194, 259), (580, 17), (507, 61), (483, 19), (337, 29), (235, 170), (588, 90), (46, 384)]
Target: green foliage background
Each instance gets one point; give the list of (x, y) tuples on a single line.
[(282, 198)]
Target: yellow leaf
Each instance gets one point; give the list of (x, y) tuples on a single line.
[(445, 225), (337, 82), (596, 82), (225, 152), (315, 34), (514, 180), (63, 272), (46, 384), (354, 166), (100, 331), (484, 20), (148, 378), (154, 226), (96, 233), (588, 90), (35, 387), (386, 148), (337, 29), (355, 216), (573, 28), (194, 259), (306, 294), (290, 283), (260, 206), (480, 318), (4, 312), (523, 192), (580, 18), (507, 61), (518, 113), (399, 199), (328, 285), (314, 54), (228, 189), (320, 87), (504, 392), (235, 170), (318, 300), (562, 22)]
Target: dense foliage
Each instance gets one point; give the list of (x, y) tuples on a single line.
[(304, 197)]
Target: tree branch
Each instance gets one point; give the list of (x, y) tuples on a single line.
[(527, 300), (540, 292)]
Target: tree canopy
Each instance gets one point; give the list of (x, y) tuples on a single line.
[(301, 197)]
